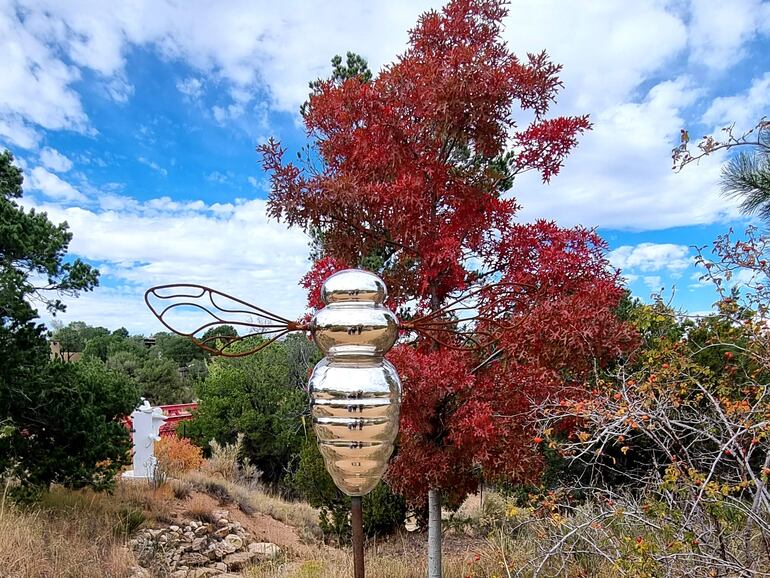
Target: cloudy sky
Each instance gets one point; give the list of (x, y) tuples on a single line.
[(137, 122)]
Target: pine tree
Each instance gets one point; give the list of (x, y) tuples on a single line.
[(746, 177), (58, 422)]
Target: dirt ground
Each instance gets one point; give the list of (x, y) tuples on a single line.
[(261, 526)]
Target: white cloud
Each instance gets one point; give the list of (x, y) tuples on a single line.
[(17, 133), (620, 175), (276, 46), (54, 187), (607, 47), (54, 160), (192, 87), (153, 165), (651, 257), (654, 283), (220, 114), (262, 55), (120, 89), (272, 45), (719, 31), (236, 250), (743, 109), (253, 181), (36, 85), (220, 178)]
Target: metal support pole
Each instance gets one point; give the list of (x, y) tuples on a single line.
[(434, 534), (357, 522)]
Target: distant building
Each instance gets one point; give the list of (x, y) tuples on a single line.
[(67, 356)]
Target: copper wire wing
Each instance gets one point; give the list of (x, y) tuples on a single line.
[(444, 326), (481, 330), (268, 325)]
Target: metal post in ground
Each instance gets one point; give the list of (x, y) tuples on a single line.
[(357, 522)]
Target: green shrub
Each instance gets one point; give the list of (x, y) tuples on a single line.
[(129, 520), (252, 397), (67, 426)]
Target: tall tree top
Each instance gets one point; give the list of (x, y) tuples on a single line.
[(415, 161), (32, 251)]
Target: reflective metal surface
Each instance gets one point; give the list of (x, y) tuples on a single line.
[(354, 286), (354, 329), (355, 393)]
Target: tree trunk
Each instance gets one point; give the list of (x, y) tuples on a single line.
[(434, 534)]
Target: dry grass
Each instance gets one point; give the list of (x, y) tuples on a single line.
[(83, 535), (300, 515), (200, 509), (156, 504), (69, 535), (329, 563), (181, 489)]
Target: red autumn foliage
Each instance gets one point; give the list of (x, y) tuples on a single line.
[(322, 269), (415, 172)]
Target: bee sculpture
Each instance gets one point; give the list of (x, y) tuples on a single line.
[(355, 392)]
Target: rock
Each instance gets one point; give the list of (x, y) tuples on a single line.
[(234, 540), (194, 559), (219, 551), (200, 550), (203, 572), (202, 530), (238, 560), (264, 550)]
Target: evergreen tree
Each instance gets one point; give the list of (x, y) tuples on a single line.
[(58, 422), (747, 177)]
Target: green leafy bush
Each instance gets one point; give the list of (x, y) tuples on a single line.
[(252, 396)]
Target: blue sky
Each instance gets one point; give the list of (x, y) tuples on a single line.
[(137, 124)]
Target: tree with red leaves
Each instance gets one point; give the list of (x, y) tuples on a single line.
[(416, 167)]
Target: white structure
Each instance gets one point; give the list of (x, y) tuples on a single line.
[(145, 425)]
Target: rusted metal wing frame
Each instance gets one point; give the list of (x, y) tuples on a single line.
[(277, 329), (429, 325)]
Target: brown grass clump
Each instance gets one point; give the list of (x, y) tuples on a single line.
[(224, 459), (70, 534), (297, 514), (156, 504), (200, 509), (181, 488), (330, 563)]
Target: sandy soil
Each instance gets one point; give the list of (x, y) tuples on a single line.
[(262, 527)]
